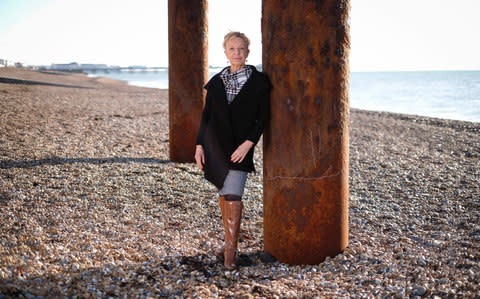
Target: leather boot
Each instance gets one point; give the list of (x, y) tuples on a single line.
[(233, 217), (221, 202)]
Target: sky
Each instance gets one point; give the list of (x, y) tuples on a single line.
[(386, 35)]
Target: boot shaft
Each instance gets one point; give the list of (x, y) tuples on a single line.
[(232, 221)]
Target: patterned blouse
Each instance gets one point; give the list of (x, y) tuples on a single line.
[(234, 81)]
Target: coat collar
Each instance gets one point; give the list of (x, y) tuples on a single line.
[(217, 82), (216, 77)]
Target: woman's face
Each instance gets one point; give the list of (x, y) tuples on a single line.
[(236, 51)]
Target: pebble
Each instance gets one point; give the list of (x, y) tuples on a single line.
[(419, 291)]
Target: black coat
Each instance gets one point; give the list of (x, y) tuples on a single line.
[(224, 126)]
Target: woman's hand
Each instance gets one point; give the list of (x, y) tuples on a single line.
[(199, 156), (240, 153)]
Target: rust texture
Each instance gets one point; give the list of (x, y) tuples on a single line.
[(306, 47), (187, 72)]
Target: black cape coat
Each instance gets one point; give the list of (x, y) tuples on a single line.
[(224, 126)]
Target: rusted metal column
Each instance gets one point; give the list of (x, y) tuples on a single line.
[(187, 74), (306, 46)]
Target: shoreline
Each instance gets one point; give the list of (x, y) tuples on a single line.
[(92, 205), (141, 80)]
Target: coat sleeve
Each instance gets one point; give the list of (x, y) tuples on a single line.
[(263, 112), (203, 122)]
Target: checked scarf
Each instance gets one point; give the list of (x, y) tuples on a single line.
[(234, 81)]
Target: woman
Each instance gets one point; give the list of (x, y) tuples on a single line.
[(237, 107)]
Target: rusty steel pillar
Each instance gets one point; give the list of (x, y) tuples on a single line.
[(187, 74), (306, 47)]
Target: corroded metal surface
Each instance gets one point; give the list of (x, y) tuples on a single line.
[(187, 72), (305, 53)]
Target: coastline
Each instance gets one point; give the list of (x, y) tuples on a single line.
[(92, 206)]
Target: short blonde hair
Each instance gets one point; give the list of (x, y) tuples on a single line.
[(233, 34)]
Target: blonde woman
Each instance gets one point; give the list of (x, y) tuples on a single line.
[(237, 108)]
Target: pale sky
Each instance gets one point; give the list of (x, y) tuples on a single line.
[(386, 34)]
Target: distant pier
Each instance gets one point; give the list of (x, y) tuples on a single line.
[(101, 68)]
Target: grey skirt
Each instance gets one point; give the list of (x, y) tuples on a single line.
[(234, 183)]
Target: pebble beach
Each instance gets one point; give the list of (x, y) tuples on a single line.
[(92, 207)]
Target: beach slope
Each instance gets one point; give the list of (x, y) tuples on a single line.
[(91, 206)]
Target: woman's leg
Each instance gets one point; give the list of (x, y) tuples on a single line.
[(231, 206), (234, 183), (221, 202), (231, 222)]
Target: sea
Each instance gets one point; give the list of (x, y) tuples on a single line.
[(440, 94)]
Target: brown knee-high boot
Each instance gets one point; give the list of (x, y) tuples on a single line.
[(221, 202), (232, 220)]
